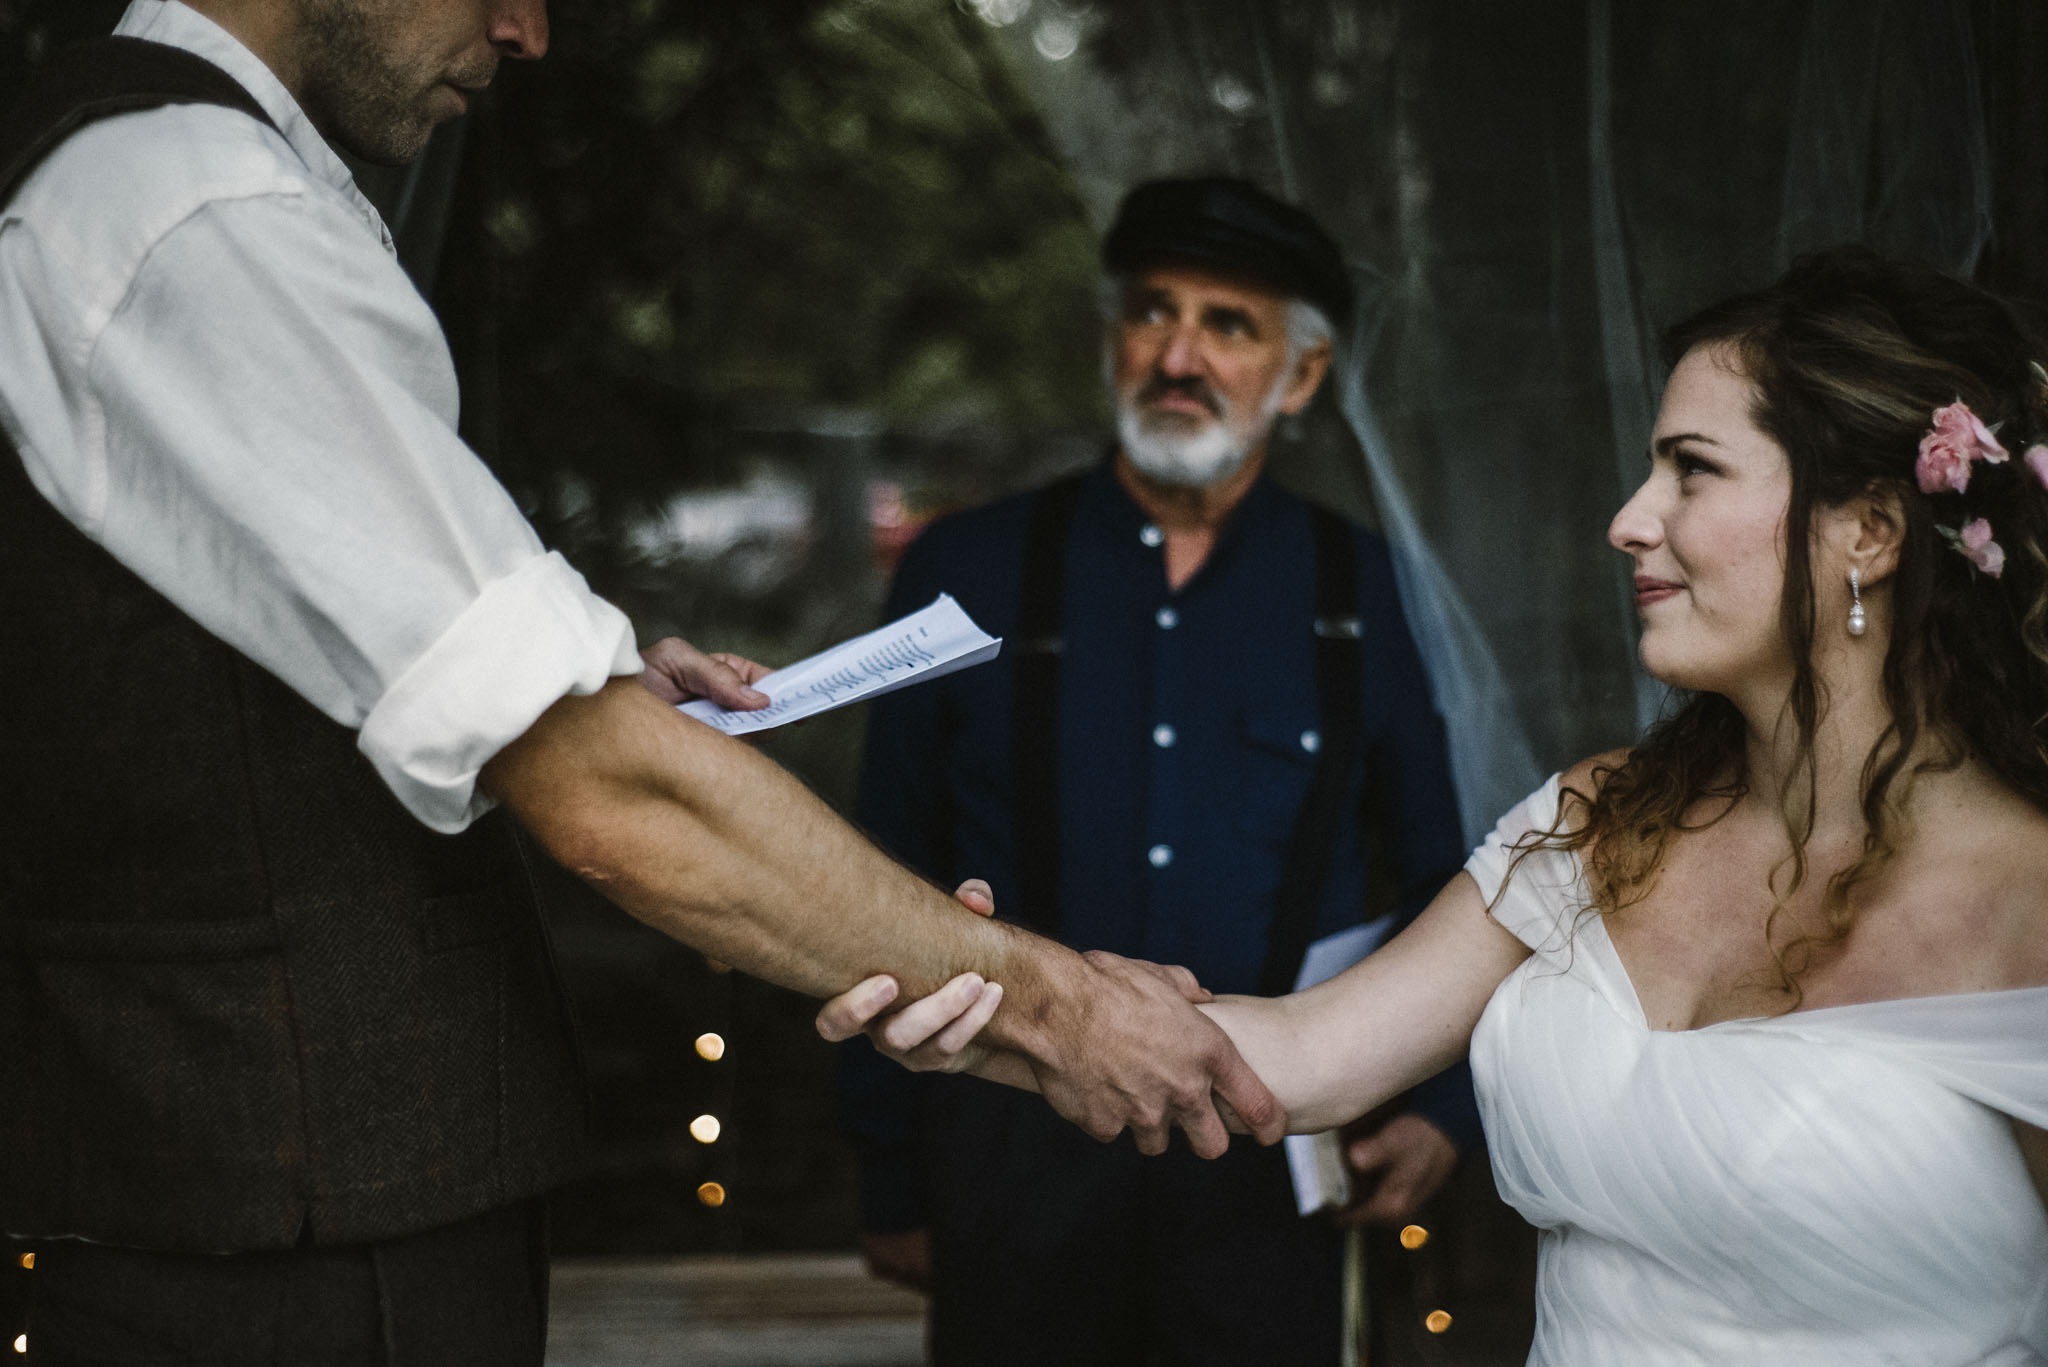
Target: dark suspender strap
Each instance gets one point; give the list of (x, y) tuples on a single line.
[(98, 79), (1340, 679), (1034, 711)]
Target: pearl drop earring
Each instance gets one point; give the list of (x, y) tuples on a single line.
[(1857, 620)]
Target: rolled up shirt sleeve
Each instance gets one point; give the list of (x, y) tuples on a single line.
[(267, 436), (528, 639)]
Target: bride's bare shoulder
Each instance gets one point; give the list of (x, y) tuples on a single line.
[(2018, 851), (1980, 853), (1580, 784)]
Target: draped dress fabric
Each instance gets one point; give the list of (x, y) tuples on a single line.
[(1834, 1186)]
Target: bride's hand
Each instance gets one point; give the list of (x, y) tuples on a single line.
[(933, 1034), (936, 1033)]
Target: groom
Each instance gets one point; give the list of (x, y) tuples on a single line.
[(283, 1066)]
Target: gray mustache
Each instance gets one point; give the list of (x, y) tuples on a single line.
[(1193, 387)]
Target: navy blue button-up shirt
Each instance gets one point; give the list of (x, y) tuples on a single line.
[(1188, 728)]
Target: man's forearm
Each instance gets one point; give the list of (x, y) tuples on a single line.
[(700, 837), (704, 839)]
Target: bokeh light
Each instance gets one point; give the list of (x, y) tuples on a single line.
[(997, 13), (1057, 37)]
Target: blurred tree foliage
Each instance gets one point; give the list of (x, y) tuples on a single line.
[(695, 219)]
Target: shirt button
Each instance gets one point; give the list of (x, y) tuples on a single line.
[(1160, 856), (1167, 618), (1311, 742), (1151, 535), (1162, 736)]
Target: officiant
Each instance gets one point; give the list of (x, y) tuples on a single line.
[(1209, 741)]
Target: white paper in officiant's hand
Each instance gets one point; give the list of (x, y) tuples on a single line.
[(1316, 1161), (934, 641)]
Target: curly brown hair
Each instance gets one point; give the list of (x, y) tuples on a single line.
[(1849, 354)]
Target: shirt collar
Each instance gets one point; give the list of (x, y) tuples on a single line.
[(1118, 516), (175, 24)]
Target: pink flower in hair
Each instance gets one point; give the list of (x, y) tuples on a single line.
[(2037, 461), (1957, 438), (1977, 546)]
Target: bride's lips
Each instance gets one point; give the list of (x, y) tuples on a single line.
[(1653, 590)]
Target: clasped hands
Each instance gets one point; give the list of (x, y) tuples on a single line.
[(1112, 1043), (1396, 1166), (1134, 1053)]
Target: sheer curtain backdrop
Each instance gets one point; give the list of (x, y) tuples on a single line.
[(1527, 194)]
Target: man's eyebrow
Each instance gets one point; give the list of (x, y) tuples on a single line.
[(1229, 313), (1663, 445)]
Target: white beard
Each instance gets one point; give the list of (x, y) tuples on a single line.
[(1187, 460), (1163, 450)]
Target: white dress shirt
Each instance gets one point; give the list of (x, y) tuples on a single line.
[(215, 367)]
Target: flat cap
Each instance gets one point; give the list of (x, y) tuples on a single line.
[(1232, 226)]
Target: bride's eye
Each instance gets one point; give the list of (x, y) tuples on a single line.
[(1689, 463)]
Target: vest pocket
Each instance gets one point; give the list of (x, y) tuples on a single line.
[(151, 1101)]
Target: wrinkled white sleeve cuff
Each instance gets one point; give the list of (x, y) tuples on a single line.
[(534, 636)]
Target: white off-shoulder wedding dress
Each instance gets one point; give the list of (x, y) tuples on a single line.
[(1834, 1186)]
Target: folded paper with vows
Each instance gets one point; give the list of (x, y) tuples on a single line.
[(927, 644)]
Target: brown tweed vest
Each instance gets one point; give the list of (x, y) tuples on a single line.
[(244, 998)]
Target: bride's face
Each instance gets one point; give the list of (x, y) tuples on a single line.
[(1707, 533)]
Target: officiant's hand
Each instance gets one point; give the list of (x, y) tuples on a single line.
[(677, 672), (1395, 1169)]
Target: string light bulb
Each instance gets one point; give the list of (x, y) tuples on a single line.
[(710, 1047), (705, 1129), (28, 1262), (1414, 1237), (1437, 1321), (711, 1194)]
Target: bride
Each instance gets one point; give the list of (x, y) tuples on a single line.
[(1758, 1009)]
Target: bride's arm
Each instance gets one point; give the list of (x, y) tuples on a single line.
[(1329, 1054), (1340, 1048)]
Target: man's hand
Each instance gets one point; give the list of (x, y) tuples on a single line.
[(677, 672), (904, 1258), (1395, 1169), (1138, 1053)]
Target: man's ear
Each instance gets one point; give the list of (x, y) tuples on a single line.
[(1869, 530), (1309, 369)]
